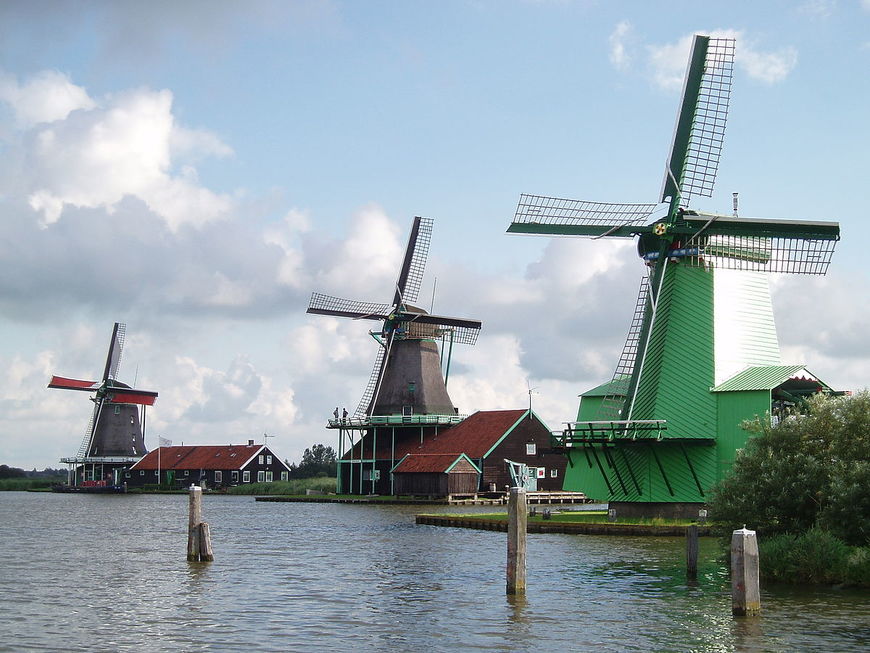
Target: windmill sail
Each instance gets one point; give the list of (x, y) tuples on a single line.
[(700, 130), (414, 263)]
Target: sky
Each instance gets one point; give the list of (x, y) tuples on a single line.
[(197, 169)]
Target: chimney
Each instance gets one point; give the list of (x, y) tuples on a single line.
[(250, 443)]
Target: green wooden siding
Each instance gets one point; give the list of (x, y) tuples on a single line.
[(678, 369)]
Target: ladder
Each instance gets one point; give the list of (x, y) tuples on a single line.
[(614, 401)]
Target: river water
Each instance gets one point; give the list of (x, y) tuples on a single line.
[(109, 573)]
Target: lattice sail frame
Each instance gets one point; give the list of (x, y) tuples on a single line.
[(331, 305), (755, 253), (417, 266), (540, 209), (708, 125)]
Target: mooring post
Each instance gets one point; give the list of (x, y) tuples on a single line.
[(206, 554), (745, 589), (198, 534), (692, 551), (516, 541)]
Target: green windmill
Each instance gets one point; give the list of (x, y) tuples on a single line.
[(701, 353)]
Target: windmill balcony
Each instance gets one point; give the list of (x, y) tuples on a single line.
[(393, 420), (608, 431)]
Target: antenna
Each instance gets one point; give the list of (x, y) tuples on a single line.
[(734, 203), (266, 437), (531, 392)]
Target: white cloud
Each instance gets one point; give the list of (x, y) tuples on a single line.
[(668, 62), (619, 57), (81, 154), (365, 264), (818, 8), (48, 96)]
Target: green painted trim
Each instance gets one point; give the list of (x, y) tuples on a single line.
[(683, 131), (460, 457), (507, 433), (614, 231)]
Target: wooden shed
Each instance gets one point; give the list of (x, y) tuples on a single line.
[(436, 474)]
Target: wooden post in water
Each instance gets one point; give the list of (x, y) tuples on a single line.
[(198, 534), (745, 589), (206, 554), (692, 551), (516, 541)]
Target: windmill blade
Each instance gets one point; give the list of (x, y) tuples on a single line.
[(368, 393), (423, 325), (116, 346), (131, 396), (321, 304), (782, 246), (91, 429), (538, 214), (700, 130), (414, 263), (63, 383)]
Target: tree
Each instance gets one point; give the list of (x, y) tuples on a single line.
[(318, 460), (810, 469)]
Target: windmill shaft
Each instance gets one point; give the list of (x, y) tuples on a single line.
[(355, 315), (610, 230)]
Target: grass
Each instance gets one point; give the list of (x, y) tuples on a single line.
[(292, 487), (24, 484)]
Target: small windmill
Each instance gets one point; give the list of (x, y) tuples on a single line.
[(703, 313), (115, 433), (407, 375)]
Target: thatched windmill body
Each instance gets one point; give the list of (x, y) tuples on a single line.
[(666, 427), (114, 437)]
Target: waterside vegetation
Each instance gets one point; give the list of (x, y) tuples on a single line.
[(802, 483)]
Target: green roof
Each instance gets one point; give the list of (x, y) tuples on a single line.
[(765, 377), (613, 387)]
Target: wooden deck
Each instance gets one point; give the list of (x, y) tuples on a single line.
[(532, 498), (497, 524)]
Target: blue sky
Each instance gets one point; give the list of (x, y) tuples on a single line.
[(197, 169)]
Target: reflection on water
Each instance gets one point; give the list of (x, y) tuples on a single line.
[(110, 572)]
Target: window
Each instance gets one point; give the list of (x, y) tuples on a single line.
[(218, 476), (187, 472), (260, 459), (542, 472), (268, 460), (141, 472), (261, 476), (127, 475), (117, 410), (234, 476), (531, 449), (283, 476), (246, 476), (268, 477), (554, 473), (156, 472)]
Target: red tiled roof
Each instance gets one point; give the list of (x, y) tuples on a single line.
[(232, 456), (427, 462), (473, 436)]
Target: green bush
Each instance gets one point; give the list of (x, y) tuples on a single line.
[(808, 470), (814, 557)]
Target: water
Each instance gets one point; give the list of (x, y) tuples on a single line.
[(81, 572)]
